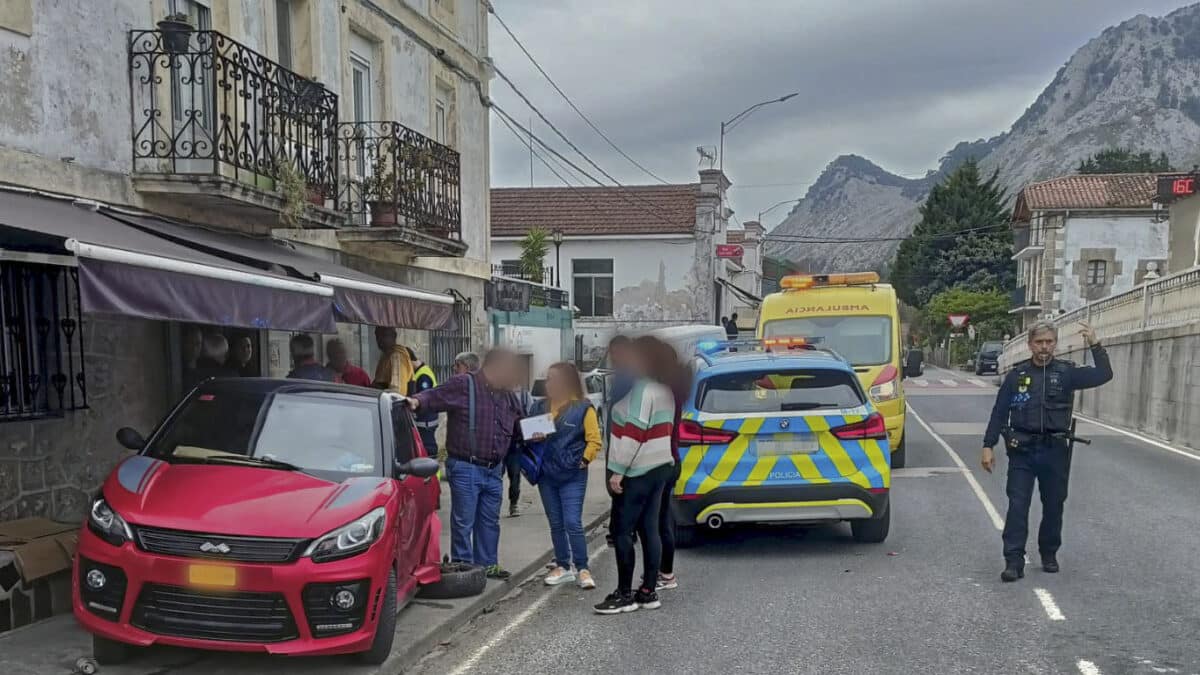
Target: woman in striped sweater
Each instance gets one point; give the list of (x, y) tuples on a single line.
[(639, 457)]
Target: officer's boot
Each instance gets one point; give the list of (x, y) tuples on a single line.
[(1049, 563), (1012, 572)]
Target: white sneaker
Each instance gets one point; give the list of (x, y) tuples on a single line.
[(586, 581), (559, 576), (666, 583)]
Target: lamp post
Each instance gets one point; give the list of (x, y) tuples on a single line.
[(772, 208), (557, 238), (728, 126)]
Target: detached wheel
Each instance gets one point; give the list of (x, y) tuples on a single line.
[(459, 580), (872, 530), (385, 630), (898, 455), (110, 652)]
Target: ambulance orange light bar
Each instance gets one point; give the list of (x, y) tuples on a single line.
[(790, 342), (799, 282)]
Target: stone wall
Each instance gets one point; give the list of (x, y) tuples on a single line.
[(1156, 384), (51, 467)]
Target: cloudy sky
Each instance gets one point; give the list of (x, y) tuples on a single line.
[(899, 82)]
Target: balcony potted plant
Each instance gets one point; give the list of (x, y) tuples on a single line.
[(294, 189), (380, 190), (177, 32)]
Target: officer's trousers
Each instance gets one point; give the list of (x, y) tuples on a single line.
[(1049, 463)]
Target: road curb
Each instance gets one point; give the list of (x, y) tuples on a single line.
[(492, 594)]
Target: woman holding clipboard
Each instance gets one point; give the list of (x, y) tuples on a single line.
[(563, 477)]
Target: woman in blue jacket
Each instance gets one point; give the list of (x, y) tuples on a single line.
[(563, 480)]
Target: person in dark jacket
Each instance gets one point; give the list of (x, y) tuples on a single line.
[(563, 482), (304, 358), (1033, 410)]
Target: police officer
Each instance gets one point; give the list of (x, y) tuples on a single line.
[(1033, 410), (427, 422)]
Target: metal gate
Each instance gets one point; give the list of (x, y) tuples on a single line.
[(446, 344)]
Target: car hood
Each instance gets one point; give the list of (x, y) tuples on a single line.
[(248, 501)]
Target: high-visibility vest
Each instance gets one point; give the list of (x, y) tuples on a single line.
[(425, 421)]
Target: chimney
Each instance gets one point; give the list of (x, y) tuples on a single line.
[(754, 230)]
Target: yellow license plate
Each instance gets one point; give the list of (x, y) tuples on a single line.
[(212, 575)]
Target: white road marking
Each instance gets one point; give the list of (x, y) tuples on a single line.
[(1087, 668), (919, 382), (950, 383), (976, 381), (1144, 439), (1049, 605), (500, 637), (975, 486)]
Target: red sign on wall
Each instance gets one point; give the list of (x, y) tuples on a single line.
[(729, 251), (1176, 186)]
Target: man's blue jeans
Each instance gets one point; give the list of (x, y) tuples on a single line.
[(563, 500), (475, 496)]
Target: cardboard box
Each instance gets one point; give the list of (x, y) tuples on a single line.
[(41, 547)]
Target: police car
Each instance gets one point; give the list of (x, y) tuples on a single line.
[(780, 431)]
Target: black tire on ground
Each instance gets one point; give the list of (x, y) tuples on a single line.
[(898, 455), (687, 536), (459, 580), (385, 630), (872, 530), (110, 652)]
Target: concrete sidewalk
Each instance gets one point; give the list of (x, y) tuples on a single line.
[(52, 647)]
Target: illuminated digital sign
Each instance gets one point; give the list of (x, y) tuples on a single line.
[(1177, 186)]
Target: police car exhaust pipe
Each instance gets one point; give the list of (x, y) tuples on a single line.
[(715, 521)]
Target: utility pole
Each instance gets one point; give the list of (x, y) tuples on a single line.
[(531, 152)]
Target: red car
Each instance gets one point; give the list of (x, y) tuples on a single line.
[(278, 516)]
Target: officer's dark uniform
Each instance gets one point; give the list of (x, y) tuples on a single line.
[(1034, 410), (427, 422)]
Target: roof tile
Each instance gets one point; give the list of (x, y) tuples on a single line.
[(635, 209), (1092, 191)]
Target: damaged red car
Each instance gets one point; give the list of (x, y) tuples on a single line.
[(276, 516)]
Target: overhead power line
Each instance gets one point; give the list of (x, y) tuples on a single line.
[(492, 9)]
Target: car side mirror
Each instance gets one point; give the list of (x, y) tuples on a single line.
[(421, 467), (130, 438)]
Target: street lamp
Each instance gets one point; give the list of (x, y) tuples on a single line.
[(772, 208), (557, 238), (730, 124)]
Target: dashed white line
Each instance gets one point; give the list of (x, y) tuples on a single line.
[(1139, 437), (976, 381), (497, 639), (1049, 605), (919, 383), (1087, 667), (950, 383)]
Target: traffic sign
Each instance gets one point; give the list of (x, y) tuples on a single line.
[(971, 332), (729, 251), (959, 320)]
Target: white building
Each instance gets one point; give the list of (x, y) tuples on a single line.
[(746, 274), (632, 258), (1082, 238)]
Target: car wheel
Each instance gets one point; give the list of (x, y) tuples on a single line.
[(687, 536), (898, 455), (385, 630), (872, 530), (110, 652), (459, 580)]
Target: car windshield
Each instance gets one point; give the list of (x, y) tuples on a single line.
[(778, 390), (328, 435), (861, 340), (991, 348)]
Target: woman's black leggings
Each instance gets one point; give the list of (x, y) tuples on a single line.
[(666, 524), (641, 501)]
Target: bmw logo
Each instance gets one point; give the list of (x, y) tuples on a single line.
[(783, 424)]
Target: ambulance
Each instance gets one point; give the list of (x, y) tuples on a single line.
[(859, 318)]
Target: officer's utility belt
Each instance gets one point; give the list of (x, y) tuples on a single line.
[(426, 425), (1019, 439)]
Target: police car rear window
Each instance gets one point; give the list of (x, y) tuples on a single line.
[(778, 390)]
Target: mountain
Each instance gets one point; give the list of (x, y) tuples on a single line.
[(1136, 85)]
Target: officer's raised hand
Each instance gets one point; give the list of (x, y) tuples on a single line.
[(1088, 333), (988, 460)]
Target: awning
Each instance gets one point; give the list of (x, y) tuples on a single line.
[(357, 297), (123, 270)]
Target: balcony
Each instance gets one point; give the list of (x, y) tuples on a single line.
[(542, 294), (1026, 243), (1019, 303), (220, 128), (399, 186)]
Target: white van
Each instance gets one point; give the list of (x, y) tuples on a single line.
[(685, 338)]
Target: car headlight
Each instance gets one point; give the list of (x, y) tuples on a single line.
[(108, 524), (885, 392), (350, 539)]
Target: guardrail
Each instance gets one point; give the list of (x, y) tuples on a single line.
[(1173, 300)]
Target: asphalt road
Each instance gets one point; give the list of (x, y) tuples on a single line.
[(927, 600)]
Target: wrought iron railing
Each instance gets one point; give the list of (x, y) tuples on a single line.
[(394, 176), (450, 342), (544, 276), (41, 342), (218, 107)]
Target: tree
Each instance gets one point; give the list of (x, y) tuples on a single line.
[(962, 241), (533, 252), (1125, 160), (988, 311)]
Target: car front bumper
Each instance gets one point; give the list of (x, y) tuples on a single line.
[(143, 614), (780, 504)]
